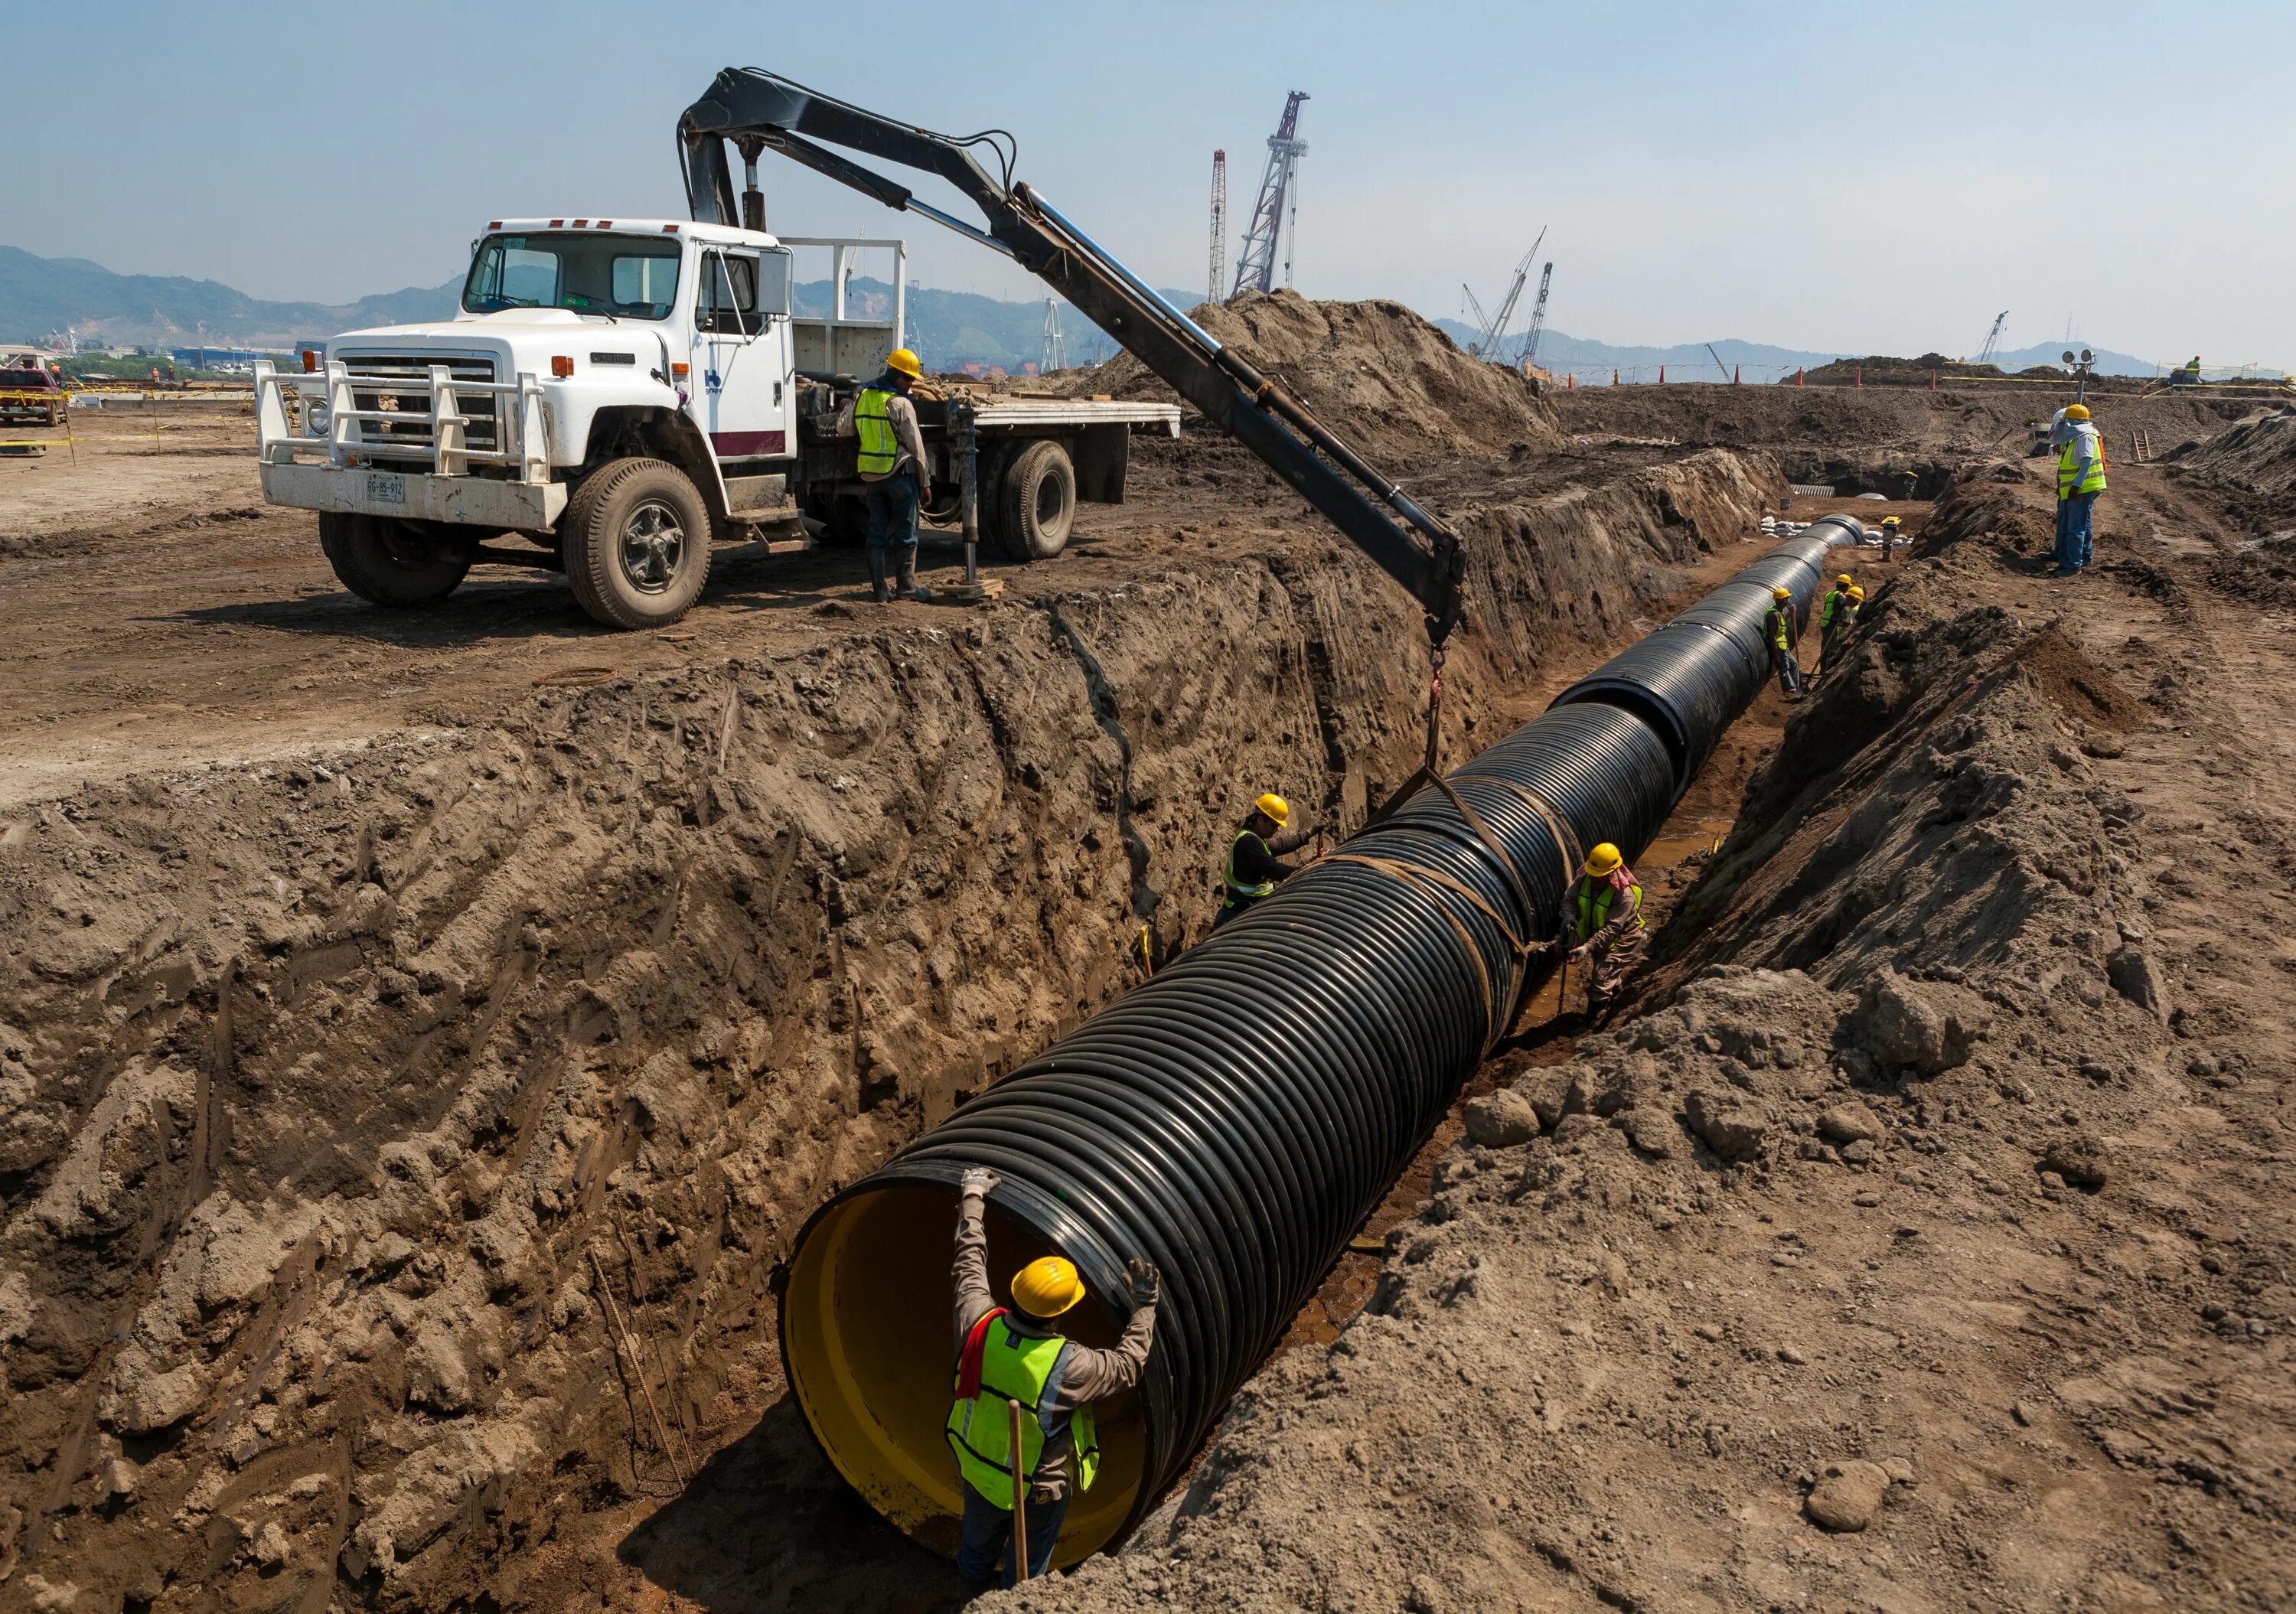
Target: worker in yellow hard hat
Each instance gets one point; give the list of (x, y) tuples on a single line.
[(1603, 925), (1015, 1355), (1893, 534), (1255, 857), (896, 471), (2080, 478), (1780, 630), (1829, 610)]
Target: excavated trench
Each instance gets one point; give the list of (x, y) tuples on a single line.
[(405, 1140)]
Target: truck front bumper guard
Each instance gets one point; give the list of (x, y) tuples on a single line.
[(333, 467)]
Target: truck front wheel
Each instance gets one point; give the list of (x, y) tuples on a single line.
[(1036, 502), (387, 562), (638, 543)]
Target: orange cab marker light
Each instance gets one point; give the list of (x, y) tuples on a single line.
[(669, 229), (562, 365), (681, 370), (581, 224), (493, 224), (605, 223), (310, 361), (556, 222)]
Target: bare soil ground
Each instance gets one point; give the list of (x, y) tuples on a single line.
[(381, 992)]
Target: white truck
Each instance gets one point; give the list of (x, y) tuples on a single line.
[(617, 395)]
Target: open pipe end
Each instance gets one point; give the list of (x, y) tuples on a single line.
[(867, 1339)]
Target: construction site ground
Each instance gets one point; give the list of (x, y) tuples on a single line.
[(385, 990)]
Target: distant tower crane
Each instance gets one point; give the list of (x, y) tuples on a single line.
[(1538, 317), (1219, 225), (1492, 328), (1256, 269), (1993, 337), (1057, 346)]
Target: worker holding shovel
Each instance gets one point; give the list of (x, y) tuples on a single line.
[(1021, 1425)]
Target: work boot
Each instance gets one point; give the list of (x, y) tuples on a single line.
[(877, 574), (908, 580)]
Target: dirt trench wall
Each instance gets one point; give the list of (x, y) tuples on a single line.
[(331, 1090)]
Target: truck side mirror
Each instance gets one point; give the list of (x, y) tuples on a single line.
[(773, 288)]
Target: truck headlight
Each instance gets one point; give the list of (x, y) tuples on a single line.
[(315, 418)]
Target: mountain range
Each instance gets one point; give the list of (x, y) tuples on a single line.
[(952, 329)]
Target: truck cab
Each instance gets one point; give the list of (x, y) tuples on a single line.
[(615, 397)]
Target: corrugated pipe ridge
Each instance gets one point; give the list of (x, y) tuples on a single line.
[(1236, 1117)]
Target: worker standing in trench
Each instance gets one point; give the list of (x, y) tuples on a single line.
[(1830, 629), (2080, 478), (1255, 857), (892, 466), (1007, 1357), (1778, 629), (1602, 926)]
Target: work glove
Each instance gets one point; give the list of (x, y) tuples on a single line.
[(1145, 1283), (978, 1183), (1580, 953)]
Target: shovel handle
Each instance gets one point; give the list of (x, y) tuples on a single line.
[(1019, 1500)]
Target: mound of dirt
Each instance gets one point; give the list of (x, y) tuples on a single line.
[(1381, 377), (2257, 455)]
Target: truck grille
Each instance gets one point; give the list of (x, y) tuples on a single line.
[(478, 407)]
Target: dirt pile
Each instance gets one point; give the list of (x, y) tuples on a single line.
[(1925, 1241), (1388, 382), (1866, 440), (336, 1088)]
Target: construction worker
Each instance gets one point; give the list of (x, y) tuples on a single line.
[(2080, 478), (1016, 1355), (1255, 857), (1778, 628), (1892, 535), (2187, 375), (1829, 630), (893, 470), (1603, 925)]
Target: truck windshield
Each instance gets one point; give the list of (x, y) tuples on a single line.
[(630, 276)]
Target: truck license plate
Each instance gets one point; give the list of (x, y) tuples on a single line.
[(386, 486)]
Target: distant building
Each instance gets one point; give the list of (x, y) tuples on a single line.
[(211, 357)]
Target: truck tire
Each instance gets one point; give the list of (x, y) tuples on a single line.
[(636, 543), (1037, 502), (402, 565)]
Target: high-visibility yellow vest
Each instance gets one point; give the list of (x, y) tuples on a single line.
[(2091, 480), (1015, 1367), (879, 448), (1778, 629), (1594, 907), (1235, 887), (1833, 599)]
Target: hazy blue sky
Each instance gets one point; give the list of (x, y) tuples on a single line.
[(1862, 177)]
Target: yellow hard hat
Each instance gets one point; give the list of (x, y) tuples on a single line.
[(1843, 579), (1886, 522), (1047, 1286), (905, 362), (1602, 860), (1781, 592), (1276, 807), (1857, 592), (2076, 412)]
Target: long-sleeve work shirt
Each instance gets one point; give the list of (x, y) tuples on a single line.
[(1081, 1374)]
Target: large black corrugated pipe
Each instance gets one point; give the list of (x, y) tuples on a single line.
[(1233, 1119), (1691, 678)]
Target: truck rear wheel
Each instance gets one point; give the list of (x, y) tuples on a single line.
[(387, 562), (1037, 502), (638, 543)]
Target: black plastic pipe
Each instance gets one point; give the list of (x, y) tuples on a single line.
[(1236, 1117)]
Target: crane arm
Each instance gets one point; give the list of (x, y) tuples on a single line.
[(759, 110)]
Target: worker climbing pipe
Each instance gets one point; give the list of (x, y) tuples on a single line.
[(1603, 927), (1255, 863)]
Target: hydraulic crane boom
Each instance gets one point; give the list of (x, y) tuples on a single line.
[(759, 110)]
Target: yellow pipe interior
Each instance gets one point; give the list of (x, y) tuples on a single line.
[(868, 1329)]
